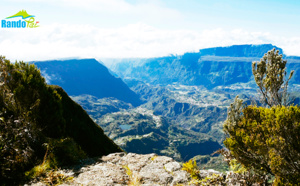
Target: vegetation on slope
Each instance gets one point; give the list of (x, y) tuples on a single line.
[(41, 125)]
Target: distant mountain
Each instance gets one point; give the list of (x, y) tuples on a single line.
[(240, 50), (212, 67), (86, 76)]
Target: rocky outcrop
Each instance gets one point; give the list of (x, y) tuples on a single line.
[(123, 169), (126, 169), (140, 169)]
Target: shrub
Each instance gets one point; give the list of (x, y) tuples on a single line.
[(192, 168), (269, 74), (267, 139)]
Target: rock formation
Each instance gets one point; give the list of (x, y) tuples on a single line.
[(138, 169)]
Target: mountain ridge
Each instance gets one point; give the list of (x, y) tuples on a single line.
[(86, 76), (211, 67), (246, 50)]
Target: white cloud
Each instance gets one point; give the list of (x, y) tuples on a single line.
[(135, 40), (114, 11), (103, 5)]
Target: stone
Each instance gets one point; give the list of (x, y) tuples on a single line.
[(172, 166), (136, 169)]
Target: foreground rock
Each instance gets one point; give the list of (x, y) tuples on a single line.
[(137, 169), (127, 169)]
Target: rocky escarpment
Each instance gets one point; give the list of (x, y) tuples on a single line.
[(139, 169)]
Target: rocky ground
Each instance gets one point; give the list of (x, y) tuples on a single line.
[(135, 169)]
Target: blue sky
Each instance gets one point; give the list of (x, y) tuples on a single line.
[(146, 28)]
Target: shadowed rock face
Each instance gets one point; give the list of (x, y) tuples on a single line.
[(86, 76)]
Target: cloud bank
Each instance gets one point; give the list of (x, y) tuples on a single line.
[(134, 40)]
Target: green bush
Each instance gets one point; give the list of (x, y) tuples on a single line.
[(267, 139)]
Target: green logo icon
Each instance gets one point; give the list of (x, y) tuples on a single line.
[(25, 21), (22, 14)]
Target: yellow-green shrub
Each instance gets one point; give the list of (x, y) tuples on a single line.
[(268, 140), (192, 168)]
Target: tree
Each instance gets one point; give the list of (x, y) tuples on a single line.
[(269, 76), (267, 140)]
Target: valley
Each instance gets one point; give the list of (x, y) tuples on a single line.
[(174, 105)]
